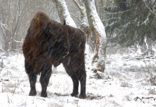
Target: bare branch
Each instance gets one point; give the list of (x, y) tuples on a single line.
[(150, 8)]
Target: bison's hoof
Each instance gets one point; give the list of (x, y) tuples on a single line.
[(32, 93), (74, 94), (43, 94), (82, 96)]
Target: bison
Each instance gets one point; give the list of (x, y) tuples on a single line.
[(50, 43)]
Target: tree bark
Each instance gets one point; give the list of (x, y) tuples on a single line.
[(98, 30), (84, 21), (63, 12)]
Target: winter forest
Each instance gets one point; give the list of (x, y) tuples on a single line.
[(119, 68)]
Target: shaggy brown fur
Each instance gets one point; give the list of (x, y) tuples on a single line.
[(50, 43)]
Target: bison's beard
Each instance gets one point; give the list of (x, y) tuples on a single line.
[(56, 63)]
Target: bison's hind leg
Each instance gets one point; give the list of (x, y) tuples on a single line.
[(82, 79), (81, 74), (44, 79), (32, 78)]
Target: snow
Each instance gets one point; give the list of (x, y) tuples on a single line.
[(125, 83)]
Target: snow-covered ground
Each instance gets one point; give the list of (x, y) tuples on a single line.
[(125, 83)]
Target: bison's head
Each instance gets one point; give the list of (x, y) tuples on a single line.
[(60, 49), (57, 42)]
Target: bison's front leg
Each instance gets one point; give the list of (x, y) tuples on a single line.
[(44, 79)]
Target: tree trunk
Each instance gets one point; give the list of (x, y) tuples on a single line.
[(63, 12), (99, 34), (84, 21)]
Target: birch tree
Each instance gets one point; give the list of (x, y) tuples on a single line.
[(63, 12), (98, 30), (84, 21)]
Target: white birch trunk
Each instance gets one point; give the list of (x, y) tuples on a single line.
[(98, 29), (81, 7), (84, 20), (63, 13)]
